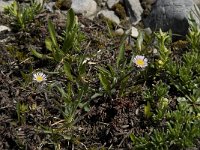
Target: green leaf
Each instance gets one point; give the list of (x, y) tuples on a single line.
[(139, 41), (36, 54), (27, 77), (147, 110), (105, 83), (70, 20), (120, 56), (82, 69), (58, 55), (96, 95), (103, 71), (70, 92), (68, 42), (67, 70), (52, 34), (123, 84), (70, 32), (111, 71), (15, 7), (132, 136), (62, 92), (48, 43)]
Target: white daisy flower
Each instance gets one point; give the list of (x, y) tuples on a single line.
[(39, 77), (140, 61)]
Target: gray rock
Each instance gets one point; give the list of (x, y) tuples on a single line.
[(119, 31), (4, 4), (87, 8), (110, 15), (170, 14), (134, 10), (134, 32), (149, 1), (4, 28), (49, 6), (148, 31), (197, 2), (111, 3)]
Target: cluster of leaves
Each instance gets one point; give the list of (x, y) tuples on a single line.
[(115, 78), (70, 62), (177, 128), (23, 15), (181, 130)]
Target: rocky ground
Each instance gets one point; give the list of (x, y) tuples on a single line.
[(107, 124)]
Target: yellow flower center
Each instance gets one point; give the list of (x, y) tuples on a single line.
[(39, 78), (140, 62)]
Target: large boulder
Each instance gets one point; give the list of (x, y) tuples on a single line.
[(134, 10), (170, 14), (109, 14), (87, 8)]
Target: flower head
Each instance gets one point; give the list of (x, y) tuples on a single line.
[(140, 61), (39, 77)]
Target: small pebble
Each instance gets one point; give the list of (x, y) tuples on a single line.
[(119, 31)]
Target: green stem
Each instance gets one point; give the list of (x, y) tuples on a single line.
[(122, 78)]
